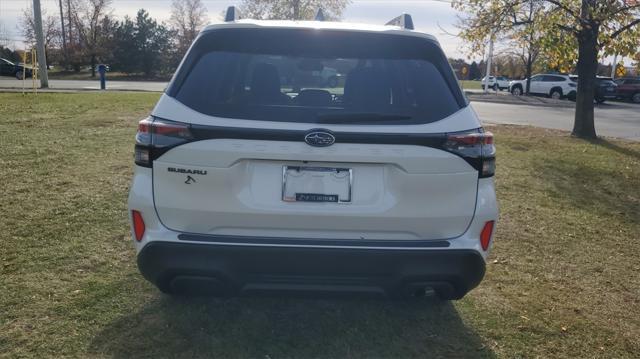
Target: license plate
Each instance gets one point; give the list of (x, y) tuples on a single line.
[(316, 184)]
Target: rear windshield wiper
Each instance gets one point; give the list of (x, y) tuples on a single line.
[(359, 117)]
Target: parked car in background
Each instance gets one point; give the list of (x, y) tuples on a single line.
[(496, 83), (8, 68), (556, 86), (628, 89), (606, 89)]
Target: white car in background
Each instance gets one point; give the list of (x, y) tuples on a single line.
[(244, 186), (496, 83), (556, 86)]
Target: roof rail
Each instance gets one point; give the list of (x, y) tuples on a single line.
[(232, 14), (404, 21), (320, 15)]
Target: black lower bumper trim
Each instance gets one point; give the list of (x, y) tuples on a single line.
[(236, 270)]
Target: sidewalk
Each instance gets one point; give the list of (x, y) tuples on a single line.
[(11, 84), (507, 98)]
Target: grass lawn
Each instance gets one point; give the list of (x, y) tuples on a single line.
[(471, 85), (563, 280)]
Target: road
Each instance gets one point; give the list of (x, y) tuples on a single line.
[(11, 83), (613, 119)]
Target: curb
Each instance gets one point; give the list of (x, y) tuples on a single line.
[(520, 100)]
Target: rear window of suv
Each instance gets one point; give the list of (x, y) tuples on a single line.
[(317, 76)]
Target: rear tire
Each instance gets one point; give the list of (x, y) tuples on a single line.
[(556, 94), (19, 75), (635, 98)]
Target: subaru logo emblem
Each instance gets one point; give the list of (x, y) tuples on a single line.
[(319, 138)]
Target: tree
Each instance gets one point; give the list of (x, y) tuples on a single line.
[(153, 44), (75, 56), (593, 27), (187, 18), (142, 45), (93, 23), (526, 34), (598, 27), (50, 29), (474, 71), (514, 22), (292, 9), (559, 50), (124, 47), (510, 66)]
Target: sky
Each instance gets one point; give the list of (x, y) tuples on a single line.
[(432, 16), (435, 17)]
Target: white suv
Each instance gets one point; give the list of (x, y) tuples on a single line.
[(496, 83), (244, 184), (555, 86)]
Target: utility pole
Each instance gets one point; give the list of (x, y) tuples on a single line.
[(614, 67), (64, 34), (42, 57), (488, 73)]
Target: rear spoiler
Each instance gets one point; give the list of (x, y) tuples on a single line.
[(405, 21), (232, 14)]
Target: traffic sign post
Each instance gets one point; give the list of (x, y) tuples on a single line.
[(464, 72), (620, 71)]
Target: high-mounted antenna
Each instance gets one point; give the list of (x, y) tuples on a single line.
[(404, 21), (320, 15), (232, 14)]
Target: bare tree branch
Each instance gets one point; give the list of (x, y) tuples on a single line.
[(625, 28)]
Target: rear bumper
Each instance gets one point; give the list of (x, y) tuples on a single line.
[(232, 270)]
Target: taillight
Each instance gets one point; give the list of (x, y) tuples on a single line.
[(138, 225), (169, 133), (476, 147), (485, 235), (156, 136)]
